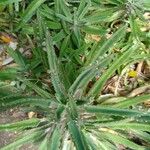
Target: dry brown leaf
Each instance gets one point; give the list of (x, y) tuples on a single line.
[(32, 114)]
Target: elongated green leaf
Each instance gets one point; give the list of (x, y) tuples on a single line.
[(24, 102), (40, 33), (110, 42), (91, 142), (96, 89), (64, 18), (37, 89), (135, 28), (23, 140), (55, 139), (105, 16), (84, 78), (17, 56), (30, 11), (94, 30), (132, 101), (6, 2), (101, 141), (53, 25), (8, 73), (146, 4), (72, 109), (64, 45), (59, 36), (124, 141), (94, 48), (44, 144), (142, 135), (65, 9), (77, 136), (83, 9), (126, 125), (47, 12), (54, 70), (20, 125), (57, 6), (118, 112)]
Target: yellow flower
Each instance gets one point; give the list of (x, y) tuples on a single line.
[(132, 73)]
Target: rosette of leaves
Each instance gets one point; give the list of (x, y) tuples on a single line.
[(55, 82)]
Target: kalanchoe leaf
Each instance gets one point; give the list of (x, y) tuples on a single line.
[(55, 139), (30, 11), (21, 125), (77, 136), (54, 70), (23, 140), (96, 89)]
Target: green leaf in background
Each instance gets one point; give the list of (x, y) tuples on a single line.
[(83, 8), (6, 2), (53, 25), (8, 73), (29, 12), (120, 33), (85, 77), (64, 8), (135, 28), (96, 89), (17, 56), (132, 101), (94, 30)]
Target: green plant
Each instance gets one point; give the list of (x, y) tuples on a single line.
[(74, 116)]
